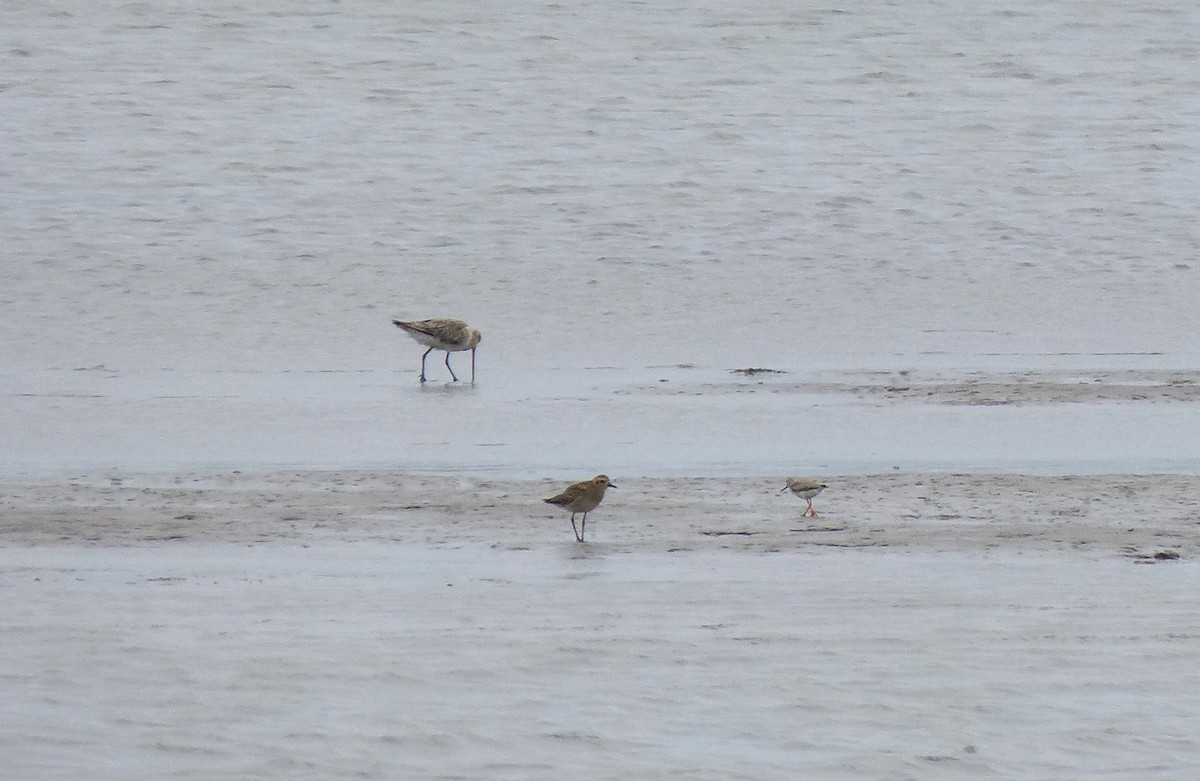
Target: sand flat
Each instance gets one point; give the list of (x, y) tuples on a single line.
[(378, 624), (965, 242), (1100, 515)]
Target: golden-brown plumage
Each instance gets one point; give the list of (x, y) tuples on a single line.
[(582, 497)]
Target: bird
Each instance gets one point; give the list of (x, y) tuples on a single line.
[(442, 333), (806, 488), (582, 497)]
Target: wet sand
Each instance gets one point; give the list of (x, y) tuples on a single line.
[(380, 624), (987, 388), (1093, 515), (967, 241)]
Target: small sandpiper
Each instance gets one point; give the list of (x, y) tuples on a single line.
[(442, 333), (582, 497), (806, 488)]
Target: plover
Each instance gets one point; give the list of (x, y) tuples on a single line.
[(442, 333), (806, 488), (582, 497)]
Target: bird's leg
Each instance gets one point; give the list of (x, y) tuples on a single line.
[(423, 357), (452, 374), (472, 365), (810, 511), (575, 529), (583, 531)]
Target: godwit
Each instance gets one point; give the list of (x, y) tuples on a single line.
[(442, 333)]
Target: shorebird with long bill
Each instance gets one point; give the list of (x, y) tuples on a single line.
[(442, 333)]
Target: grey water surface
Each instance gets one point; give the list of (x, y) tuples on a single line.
[(211, 211)]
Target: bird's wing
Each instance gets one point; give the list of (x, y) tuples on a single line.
[(446, 330), (569, 494), (417, 326)]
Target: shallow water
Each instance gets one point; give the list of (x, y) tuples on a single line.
[(387, 661), (574, 423), (211, 213)]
